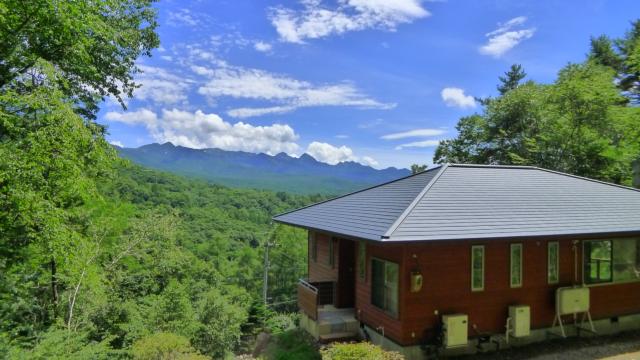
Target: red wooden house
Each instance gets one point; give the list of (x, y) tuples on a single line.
[(467, 256)]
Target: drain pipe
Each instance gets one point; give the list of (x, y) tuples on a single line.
[(381, 329)]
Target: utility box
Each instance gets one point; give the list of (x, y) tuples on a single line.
[(520, 320), (570, 300), (455, 328)]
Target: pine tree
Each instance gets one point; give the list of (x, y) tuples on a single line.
[(511, 79)]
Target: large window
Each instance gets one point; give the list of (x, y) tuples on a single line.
[(597, 261), (477, 268), (615, 260), (362, 260), (626, 259), (516, 265), (384, 285), (553, 262)]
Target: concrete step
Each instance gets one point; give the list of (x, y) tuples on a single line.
[(341, 336)]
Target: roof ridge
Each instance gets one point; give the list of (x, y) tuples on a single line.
[(529, 167), (357, 191), (415, 202), (586, 178)]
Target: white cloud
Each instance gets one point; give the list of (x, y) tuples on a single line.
[(456, 97), (413, 133), (342, 136), (504, 38), (116, 143), (182, 17), (160, 86), (420, 144), (289, 94), (199, 130), (316, 20), (262, 46), (144, 117), (330, 154)]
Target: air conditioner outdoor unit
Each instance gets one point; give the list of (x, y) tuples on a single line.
[(520, 316), (455, 328), (572, 300)]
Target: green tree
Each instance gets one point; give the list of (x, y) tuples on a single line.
[(416, 168), (511, 79), (93, 44)]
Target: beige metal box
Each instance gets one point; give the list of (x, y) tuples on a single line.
[(455, 328), (572, 300), (520, 320)]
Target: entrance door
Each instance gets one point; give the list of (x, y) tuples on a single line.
[(346, 286)]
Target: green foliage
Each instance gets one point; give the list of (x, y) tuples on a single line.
[(581, 124), (292, 345), (416, 168), (164, 346), (59, 344), (93, 44), (356, 351)]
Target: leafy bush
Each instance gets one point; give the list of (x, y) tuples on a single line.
[(165, 346), (61, 344), (279, 323), (357, 351), (293, 345)]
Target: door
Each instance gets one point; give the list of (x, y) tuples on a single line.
[(346, 286)]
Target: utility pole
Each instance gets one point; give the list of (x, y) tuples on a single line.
[(265, 281)]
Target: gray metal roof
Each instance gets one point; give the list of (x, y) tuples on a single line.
[(476, 201)]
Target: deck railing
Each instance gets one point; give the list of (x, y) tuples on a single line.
[(313, 294), (308, 299)]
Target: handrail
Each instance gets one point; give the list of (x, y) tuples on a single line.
[(308, 285)]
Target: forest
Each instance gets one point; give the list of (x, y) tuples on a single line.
[(103, 259)]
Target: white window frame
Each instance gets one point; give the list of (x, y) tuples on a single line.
[(512, 284), (550, 245), (473, 248)]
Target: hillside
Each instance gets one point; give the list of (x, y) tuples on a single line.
[(303, 175)]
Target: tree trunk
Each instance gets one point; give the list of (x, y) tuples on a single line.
[(54, 286)]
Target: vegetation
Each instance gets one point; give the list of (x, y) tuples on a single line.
[(586, 123), (356, 351), (100, 259)]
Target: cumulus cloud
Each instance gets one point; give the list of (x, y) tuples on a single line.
[(506, 37), (116, 143), (200, 130), (262, 46), (160, 86), (330, 154), (289, 94), (455, 97), (419, 144), (413, 133), (317, 20)]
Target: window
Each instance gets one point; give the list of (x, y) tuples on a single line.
[(597, 261), (516, 266), (553, 262), (332, 255), (477, 268), (362, 260), (626, 260), (313, 243), (384, 285)]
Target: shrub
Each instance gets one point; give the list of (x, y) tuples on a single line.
[(165, 346), (357, 351)]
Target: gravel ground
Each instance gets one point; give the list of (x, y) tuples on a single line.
[(597, 347)]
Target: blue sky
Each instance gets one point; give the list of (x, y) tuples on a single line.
[(373, 81)]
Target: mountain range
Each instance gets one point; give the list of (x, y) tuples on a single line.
[(281, 172)]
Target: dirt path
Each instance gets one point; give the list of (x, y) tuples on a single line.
[(624, 346)]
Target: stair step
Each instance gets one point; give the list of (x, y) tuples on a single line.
[(337, 336)]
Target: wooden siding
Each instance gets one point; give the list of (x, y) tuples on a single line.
[(446, 268), (320, 270), (367, 312), (308, 301)]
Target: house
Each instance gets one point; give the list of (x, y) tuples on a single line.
[(462, 256)]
